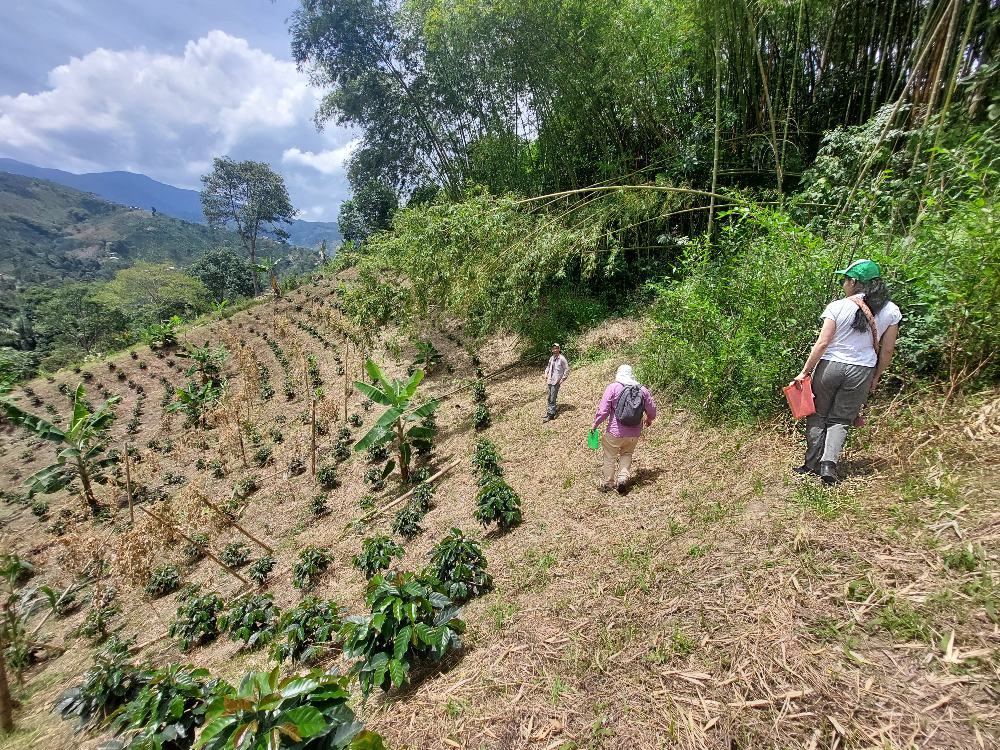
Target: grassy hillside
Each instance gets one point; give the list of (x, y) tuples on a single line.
[(723, 603)]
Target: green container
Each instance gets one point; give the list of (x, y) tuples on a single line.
[(593, 440)]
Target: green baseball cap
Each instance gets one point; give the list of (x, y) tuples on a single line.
[(862, 270)]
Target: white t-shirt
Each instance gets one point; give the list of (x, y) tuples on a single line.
[(855, 347)]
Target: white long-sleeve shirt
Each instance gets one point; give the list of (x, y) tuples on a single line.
[(557, 370)]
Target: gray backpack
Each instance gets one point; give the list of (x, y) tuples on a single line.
[(630, 406)]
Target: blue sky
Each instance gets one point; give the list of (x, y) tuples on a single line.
[(163, 87)]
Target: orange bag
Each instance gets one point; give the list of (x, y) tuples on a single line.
[(800, 397)]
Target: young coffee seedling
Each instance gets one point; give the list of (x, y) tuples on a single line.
[(260, 569), (197, 619), (376, 555), (109, 684), (164, 580), (498, 503), (103, 610), (326, 476), (194, 550), (423, 496), (235, 554), (409, 622), (312, 563), (479, 392), (317, 505), (481, 418), (459, 565), (407, 521), (307, 631), (486, 461), (252, 620), (355, 420), (262, 456), (377, 453), (296, 467), (246, 486)]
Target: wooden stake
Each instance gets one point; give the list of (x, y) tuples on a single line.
[(379, 511), (229, 518), (128, 486), (312, 437), (347, 356), (208, 554)]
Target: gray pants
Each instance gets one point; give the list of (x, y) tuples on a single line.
[(840, 391), (553, 395)]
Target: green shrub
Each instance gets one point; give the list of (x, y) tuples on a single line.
[(260, 569), (377, 453), (312, 563), (296, 467), (194, 550), (197, 619), (167, 711), (235, 554), (459, 565), (486, 461), (246, 486), (326, 476), (498, 503), (481, 418), (262, 456), (423, 496), (251, 620), (307, 712), (317, 504), (409, 622), (376, 555), (110, 683), (307, 631), (164, 580), (407, 521), (479, 392), (103, 609)]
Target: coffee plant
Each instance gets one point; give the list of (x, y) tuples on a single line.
[(164, 580), (197, 619), (409, 623), (376, 555), (326, 476), (262, 456), (498, 503), (423, 496), (481, 418), (246, 486), (317, 505), (194, 549), (306, 712), (407, 521), (296, 467), (355, 420), (307, 631), (375, 476), (486, 461), (109, 684), (251, 620), (479, 392), (167, 710), (103, 609), (260, 569), (312, 563), (458, 563), (235, 554)]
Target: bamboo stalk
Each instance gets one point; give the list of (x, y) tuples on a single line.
[(208, 553), (229, 518), (379, 511), (312, 440), (718, 116)]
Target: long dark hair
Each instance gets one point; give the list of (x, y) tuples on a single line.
[(875, 296)]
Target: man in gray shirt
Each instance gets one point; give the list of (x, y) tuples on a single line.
[(555, 373)]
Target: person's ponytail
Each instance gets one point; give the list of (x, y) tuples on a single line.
[(875, 296)]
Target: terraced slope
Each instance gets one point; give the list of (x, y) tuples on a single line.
[(723, 603)]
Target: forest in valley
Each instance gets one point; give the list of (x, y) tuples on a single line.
[(247, 508)]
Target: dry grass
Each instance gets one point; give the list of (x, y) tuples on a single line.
[(723, 603)]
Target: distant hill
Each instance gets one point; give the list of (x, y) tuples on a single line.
[(51, 233), (132, 189)]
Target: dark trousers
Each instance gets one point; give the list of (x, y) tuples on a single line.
[(553, 395)]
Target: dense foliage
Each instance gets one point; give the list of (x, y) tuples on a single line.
[(310, 566), (251, 620), (307, 631), (498, 503), (109, 684), (459, 565), (376, 555), (197, 619), (409, 622)]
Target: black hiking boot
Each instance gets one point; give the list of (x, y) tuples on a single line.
[(828, 472), (806, 469)]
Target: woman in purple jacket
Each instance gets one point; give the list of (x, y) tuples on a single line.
[(619, 440)]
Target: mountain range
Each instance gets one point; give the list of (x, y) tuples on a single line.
[(137, 190)]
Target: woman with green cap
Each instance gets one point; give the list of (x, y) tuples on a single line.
[(854, 348)]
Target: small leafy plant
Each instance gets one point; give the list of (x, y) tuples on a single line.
[(498, 503), (307, 631), (407, 521), (235, 554), (326, 476), (260, 569), (486, 461), (317, 504), (312, 563), (194, 549), (481, 418), (479, 392), (251, 620), (458, 563), (376, 555), (246, 486), (306, 712), (197, 619), (164, 580), (409, 622), (110, 683)]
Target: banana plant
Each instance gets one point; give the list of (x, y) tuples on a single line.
[(400, 424), (83, 444), (266, 265), (195, 400)]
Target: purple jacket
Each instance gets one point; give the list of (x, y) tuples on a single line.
[(606, 410)]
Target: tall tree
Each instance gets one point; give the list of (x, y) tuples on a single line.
[(249, 195)]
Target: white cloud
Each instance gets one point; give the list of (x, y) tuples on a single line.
[(327, 162), (168, 115)]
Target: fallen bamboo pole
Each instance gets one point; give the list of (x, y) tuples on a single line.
[(231, 520), (208, 554), (379, 511)]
